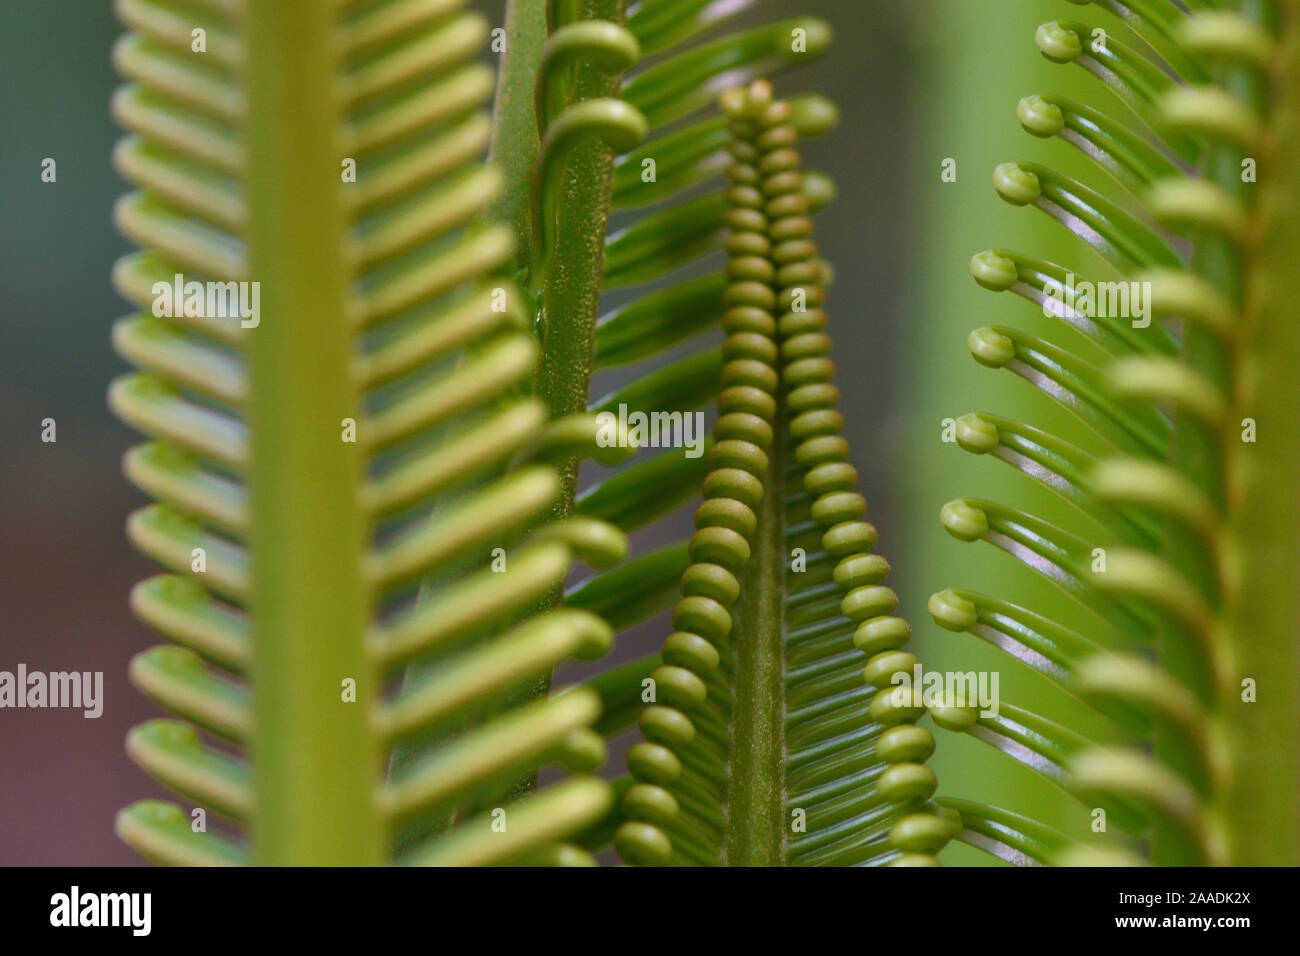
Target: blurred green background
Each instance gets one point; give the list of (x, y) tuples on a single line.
[(917, 81)]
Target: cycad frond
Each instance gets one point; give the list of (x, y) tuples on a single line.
[(1167, 562), (649, 261), (368, 494), (390, 369), (765, 746)]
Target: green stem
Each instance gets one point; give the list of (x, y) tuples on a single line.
[(1204, 454), (756, 829), (314, 756), (1260, 813), (571, 298), (514, 120)]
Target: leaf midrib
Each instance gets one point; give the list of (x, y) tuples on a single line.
[(754, 828)]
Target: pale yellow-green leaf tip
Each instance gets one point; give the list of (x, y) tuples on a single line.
[(994, 272), (1039, 117), (964, 521), (976, 434), (952, 611), (1015, 184), (1057, 42), (990, 347)]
